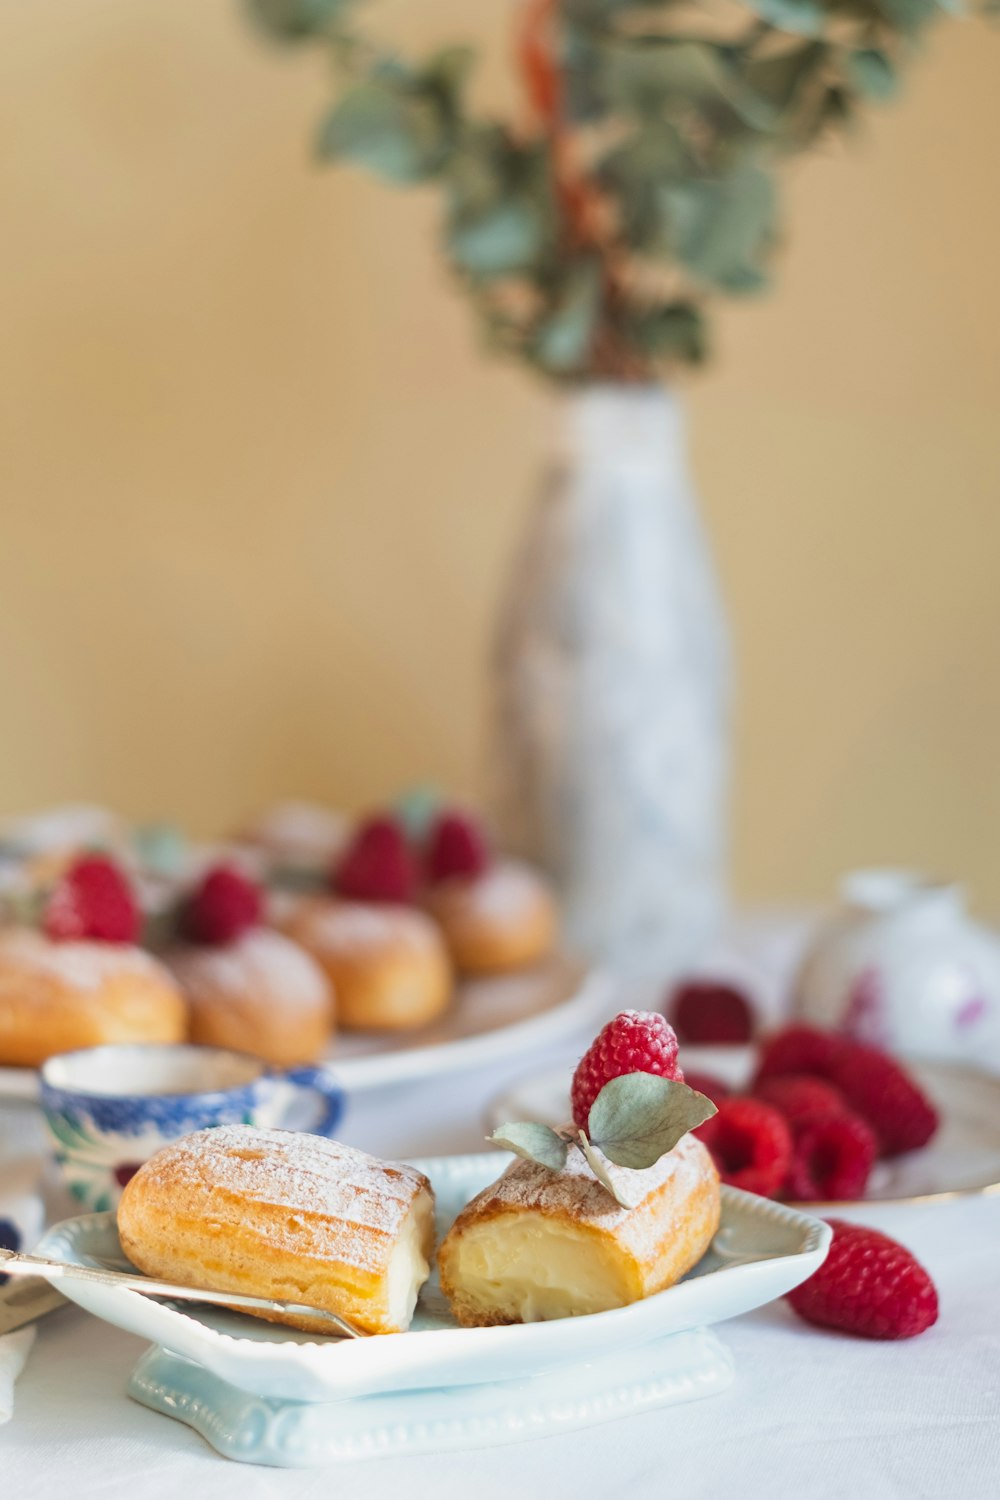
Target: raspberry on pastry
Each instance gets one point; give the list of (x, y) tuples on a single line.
[(456, 848), (377, 864), (225, 906), (92, 899), (635, 1041)]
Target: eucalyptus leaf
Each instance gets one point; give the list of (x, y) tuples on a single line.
[(780, 78), (506, 239), (635, 170), (483, 168), (800, 17), (639, 1117), (660, 78), (872, 73), (598, 14), (294, 20), (160, 848), (585, 86), (831, 111), (533, 1142), (909, 16), (384, 125), (449, 68), (24, 907), (604, 1177), (674, 330), (722, 228), (563, 338)]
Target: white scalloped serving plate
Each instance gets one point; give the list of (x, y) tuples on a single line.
[(761, 1251)]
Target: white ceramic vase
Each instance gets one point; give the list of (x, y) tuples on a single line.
[(902, 966), (610, 738)]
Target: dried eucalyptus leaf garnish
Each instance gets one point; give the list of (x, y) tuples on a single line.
[(532, 1141), (603, 1176), (639, 1117)]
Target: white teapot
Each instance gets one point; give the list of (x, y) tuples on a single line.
[(903, 967)]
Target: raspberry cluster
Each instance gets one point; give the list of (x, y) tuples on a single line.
[(381, 863), (844, 1105), (820, 1110)]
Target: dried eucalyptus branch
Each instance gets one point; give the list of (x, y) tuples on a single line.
[(642, 179)]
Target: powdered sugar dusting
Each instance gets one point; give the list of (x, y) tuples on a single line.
[(505, 892), (330, 1201), (81, 965), (261, 964), (301, 830), (363, 928), (576, 1191)]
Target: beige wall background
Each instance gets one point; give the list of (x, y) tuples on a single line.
[(259, 485)]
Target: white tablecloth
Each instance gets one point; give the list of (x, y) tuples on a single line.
[(810, 1413)]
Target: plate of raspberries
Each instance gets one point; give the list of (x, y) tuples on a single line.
[(812, 1117)]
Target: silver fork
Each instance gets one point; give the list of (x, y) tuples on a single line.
[(12, 1263)]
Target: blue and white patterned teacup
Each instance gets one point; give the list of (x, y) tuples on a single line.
[(108, 1109)]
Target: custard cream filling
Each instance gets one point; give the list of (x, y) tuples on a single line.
[(532, 1269), (408, 1267)]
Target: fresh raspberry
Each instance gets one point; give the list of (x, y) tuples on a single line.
[(751, 1145), (884, 1094), (636, 1041), (225, 905), (832, 1159), (706, 1083), (868, 1285), (704, 1011), (377, 864), (799, 1049), (801, 1098), (93, 899), (456, 849)]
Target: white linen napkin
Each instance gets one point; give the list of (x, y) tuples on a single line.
[(14, 1349), (21, 1219)]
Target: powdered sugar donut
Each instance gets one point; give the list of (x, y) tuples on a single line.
[(500, 920), (388, 963), (59, 996), (261, 993)]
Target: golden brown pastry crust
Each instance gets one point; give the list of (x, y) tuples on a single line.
[(649, 1247), (277, 1214), (262, 993), (388, 964), (57, 997), (504, 919)]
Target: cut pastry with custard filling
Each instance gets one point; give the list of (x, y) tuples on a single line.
[(288, 1216), (538, 1244)]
